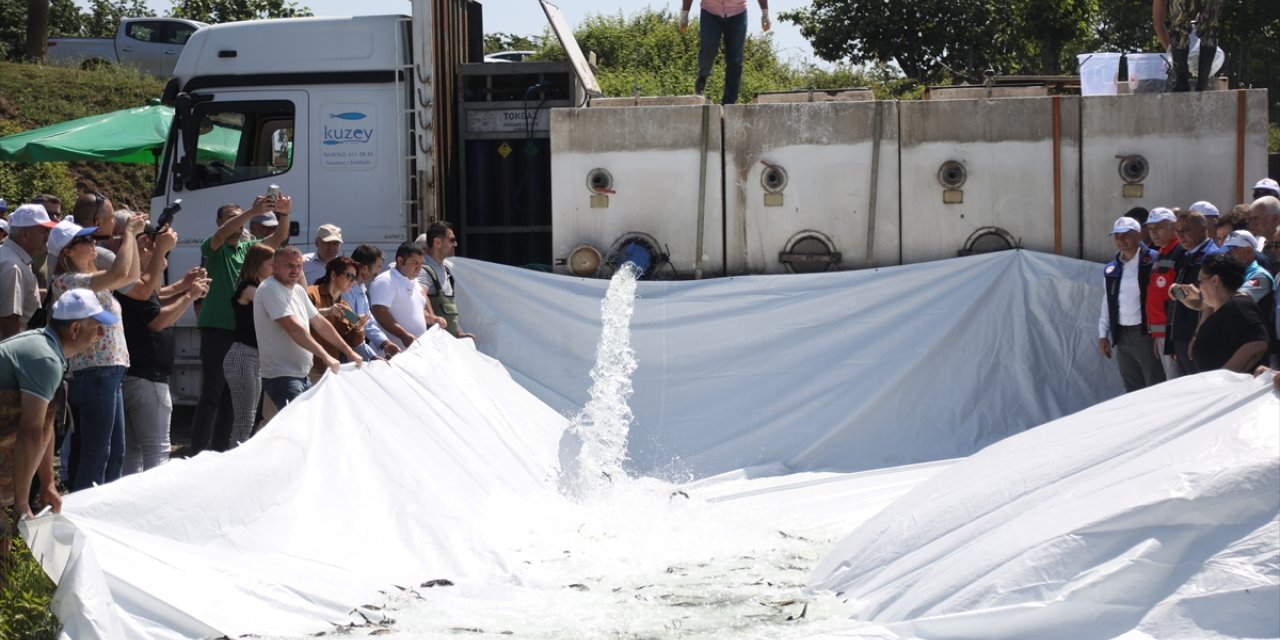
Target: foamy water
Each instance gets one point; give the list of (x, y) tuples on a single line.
[(628, 558), (603, 424)]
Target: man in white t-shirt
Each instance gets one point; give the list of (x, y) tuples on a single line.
[(285, 319), (399, 302)]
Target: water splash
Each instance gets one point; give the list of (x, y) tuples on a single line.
[(603, 424)]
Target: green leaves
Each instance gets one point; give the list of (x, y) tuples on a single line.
[(216, 11), (646, 54)]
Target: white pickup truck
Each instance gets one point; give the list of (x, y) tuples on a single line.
[(149, 44)]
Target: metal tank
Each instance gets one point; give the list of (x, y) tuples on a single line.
[(626, 186), (1168, 150), (981, 175), (808, 183)]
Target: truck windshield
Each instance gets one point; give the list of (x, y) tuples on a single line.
[(242, 141)]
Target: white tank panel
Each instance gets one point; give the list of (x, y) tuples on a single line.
[(1189, 141), (651, 156), (1006, 149), (823, 155)]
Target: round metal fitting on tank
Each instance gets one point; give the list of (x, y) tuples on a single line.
[(773, 178), (952, 174), (988, 240), (640, 249), (810, 251), (599, 181), (584, 261), (1133, 168)]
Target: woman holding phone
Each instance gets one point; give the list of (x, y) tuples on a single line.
[(244, 379), (326, 294)]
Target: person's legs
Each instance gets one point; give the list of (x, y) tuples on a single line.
[(148, 410), (735, 40), (1144, 352), (134, 410), (214, 344), (245, 382), (1127, 361), (94, 393), (710, 30), (1183, 351), (1207, 17), (1170, 366), (115, 455), (282, 391), (1180, 16)]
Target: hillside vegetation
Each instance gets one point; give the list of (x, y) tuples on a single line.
[(33, 96)]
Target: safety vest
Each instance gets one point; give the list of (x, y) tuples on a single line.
[(1163, 276), (1112, 275), (443, 305)]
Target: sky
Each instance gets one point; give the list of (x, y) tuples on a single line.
[(525, 17)]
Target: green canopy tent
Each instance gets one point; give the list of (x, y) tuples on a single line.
[(135, 135)]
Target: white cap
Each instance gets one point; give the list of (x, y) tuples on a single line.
[(328, 233), (267, 219), (1240, 238), (1205, 208), (4, 224), (1125, 224), (1161, 214), (62, 235), (1265, 183), (78, 304), (30, 215)]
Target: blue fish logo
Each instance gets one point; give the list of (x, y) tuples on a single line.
[(350, 115)]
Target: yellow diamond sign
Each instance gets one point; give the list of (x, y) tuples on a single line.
[(504, 150)]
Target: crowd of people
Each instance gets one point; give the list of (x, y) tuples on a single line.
[(1192, 290), (83, 301)]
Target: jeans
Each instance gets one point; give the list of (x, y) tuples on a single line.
[(711, 28), (282, 391), (147, 410), (211, 425), (97, 405), (244, 379)]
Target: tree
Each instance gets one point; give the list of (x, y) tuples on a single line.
[(104, 20), (498, 41), (216, 11), (646, 54), (37, 28)]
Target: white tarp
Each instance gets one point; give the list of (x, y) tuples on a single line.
[(1153, 516), (386, 476), (441, 466), (841, 371)]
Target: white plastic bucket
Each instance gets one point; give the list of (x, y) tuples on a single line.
[(1098, 73), (1148, 72)]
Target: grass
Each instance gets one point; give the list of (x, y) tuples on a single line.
[(25, 594), (33, 96)]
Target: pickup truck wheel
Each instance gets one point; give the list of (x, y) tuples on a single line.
[(94, 64)]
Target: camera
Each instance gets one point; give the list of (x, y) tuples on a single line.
[(166, 216), (273, 192)]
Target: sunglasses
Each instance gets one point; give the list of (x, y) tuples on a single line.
[(348, 275)]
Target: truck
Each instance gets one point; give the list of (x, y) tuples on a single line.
[(352, 117), (152, 45)]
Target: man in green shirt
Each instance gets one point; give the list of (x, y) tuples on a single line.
[(223, 255), (32, 366)]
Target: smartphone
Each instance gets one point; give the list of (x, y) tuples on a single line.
[(1178, 294), (351, 316)]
